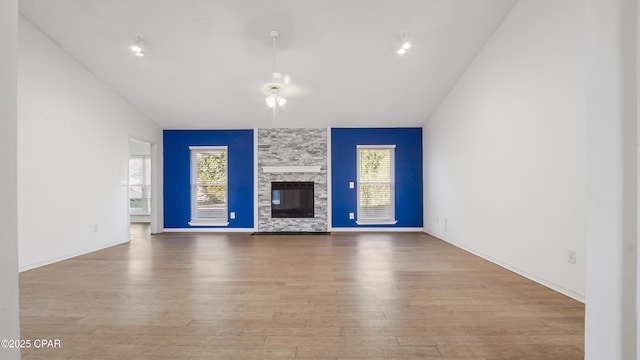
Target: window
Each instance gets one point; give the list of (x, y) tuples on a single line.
[(208, 185), (376, 180), (140, 185)]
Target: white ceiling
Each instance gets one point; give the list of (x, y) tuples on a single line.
[(207, 60)]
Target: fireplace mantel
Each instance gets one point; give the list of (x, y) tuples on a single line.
[(292, 169)]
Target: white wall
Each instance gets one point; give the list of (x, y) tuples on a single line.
[(612, 230), (73, 151), (9, 314), (505, 153), (139, 148)]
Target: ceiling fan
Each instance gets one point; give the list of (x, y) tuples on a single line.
[(278, 87)]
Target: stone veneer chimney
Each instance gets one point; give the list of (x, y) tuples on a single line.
[(292, 147)]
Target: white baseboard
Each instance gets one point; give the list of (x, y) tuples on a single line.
[(56, 259), (208, 230), (376, 229), (533, 277), (139, 218)]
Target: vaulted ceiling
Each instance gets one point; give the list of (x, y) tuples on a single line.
[(207, 61)]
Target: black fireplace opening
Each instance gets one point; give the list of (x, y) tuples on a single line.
[(292, 199)]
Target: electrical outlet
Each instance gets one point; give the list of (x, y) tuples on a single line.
[(445, 226), (232, 215), (351, 184), (571, 257), (352, 216)]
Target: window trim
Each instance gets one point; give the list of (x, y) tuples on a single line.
[(392, 185), (193, 151)]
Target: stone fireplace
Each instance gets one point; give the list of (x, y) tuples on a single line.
[(292, 155)]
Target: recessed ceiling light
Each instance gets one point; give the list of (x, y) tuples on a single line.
[(136, 46), (405, 43)]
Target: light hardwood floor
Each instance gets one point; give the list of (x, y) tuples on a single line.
[(340, 296)]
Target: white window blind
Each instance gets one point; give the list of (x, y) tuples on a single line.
[(376, 184), (209, 183), (140, 185)]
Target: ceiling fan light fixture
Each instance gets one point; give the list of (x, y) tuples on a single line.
[(406, 45), (274, 98), (275, 89), (401, 51), (271, 101)]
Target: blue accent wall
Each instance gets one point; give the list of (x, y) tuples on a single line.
[(177, 191), (408, 170)]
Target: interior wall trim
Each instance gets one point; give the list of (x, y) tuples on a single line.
[(377, 229), (209, 230)]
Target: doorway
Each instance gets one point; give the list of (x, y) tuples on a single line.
[(139, 188)]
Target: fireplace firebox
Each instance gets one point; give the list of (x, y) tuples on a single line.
[(292, 199)]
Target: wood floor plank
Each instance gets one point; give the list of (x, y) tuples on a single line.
[(341, 296)]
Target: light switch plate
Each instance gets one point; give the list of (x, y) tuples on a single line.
[(351, 185), (232, 215), (352, 216)]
